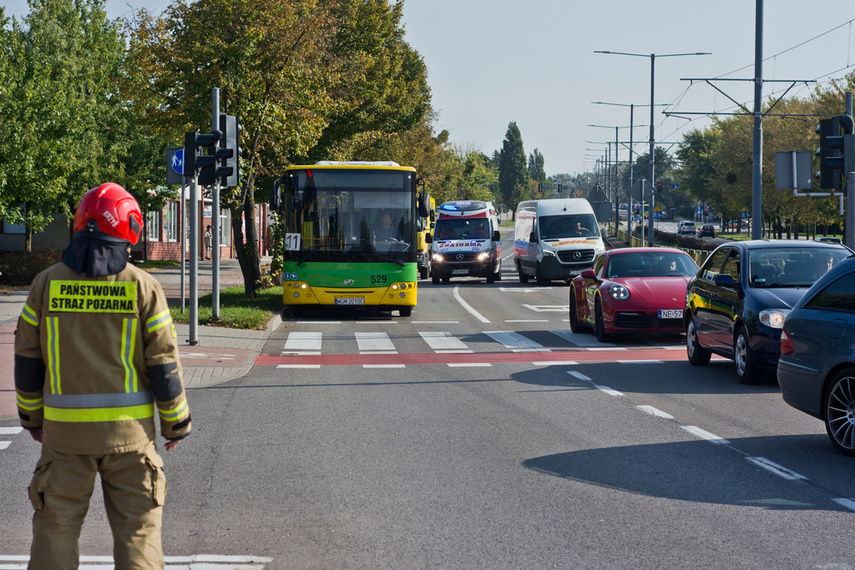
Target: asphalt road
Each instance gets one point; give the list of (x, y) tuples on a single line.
[(480, 433)]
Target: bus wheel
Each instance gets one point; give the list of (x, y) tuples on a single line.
[(423, 273), (405, 311)]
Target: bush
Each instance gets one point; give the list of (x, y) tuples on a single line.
[(19, 268)]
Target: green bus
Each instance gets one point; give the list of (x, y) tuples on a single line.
[(350, 235)]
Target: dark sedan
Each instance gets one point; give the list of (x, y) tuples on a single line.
[(816, 371), (737, 302), (706, 231)]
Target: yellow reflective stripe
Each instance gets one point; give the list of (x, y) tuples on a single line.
[(76, 415), (129, 339), (158, 321), (30, 404), (30, 315), (53, 354), (173, 415)]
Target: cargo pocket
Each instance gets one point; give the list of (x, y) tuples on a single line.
[(156, 476), (39, 482)]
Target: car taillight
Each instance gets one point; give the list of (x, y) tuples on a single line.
[(787, 346)]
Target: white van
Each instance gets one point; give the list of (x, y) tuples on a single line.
[(466, 241), (555, 239)]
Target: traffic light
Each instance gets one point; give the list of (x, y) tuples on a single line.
[(194, 159), (658, 186), (228, 154), (836, 150)]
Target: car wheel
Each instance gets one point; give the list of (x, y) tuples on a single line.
[(839, 408), (434, 277), (575, 325), (600, 327), (538, 275), (698, 356), (746, 371)]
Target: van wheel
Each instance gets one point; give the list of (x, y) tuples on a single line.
[(523, 276), (491, 278), (434, 277), (538, 275), (423, 273)]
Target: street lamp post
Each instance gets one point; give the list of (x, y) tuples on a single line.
[(652, 57)]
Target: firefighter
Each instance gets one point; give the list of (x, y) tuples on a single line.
[(95, 362)]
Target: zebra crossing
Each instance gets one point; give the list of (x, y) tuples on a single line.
[(191, 562), (311, 343)]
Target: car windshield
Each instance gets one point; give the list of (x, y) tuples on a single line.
[(791, 266), (653, 264)]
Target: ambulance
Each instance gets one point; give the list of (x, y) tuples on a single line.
[(466, 242), (555, 239)]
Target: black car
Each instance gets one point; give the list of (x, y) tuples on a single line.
[(816, 371), (706, 231), (737, 302)]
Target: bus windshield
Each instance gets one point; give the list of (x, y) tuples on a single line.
[(349, 215)]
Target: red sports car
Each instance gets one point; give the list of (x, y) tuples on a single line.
[(632, 290)]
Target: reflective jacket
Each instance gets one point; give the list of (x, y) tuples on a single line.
[(94, 358)]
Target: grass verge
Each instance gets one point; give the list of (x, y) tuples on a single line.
[(236, 310)]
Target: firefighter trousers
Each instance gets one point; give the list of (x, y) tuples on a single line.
[(134, 488)]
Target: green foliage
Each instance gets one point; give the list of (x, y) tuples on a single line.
[(237, 311), (18, 269), (513, 171)]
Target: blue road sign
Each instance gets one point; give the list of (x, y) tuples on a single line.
[(178, 161), (744, 215), (174, 165)]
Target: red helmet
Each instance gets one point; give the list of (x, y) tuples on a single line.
[(109, 212)]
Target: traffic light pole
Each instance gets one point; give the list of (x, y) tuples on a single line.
[(849, 237), (215, 221), (194, 262)]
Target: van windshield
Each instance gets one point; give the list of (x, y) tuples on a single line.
[(462, 229), (574, 225)]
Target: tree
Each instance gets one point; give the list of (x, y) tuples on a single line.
[(59, 109), (271, 61), (512, 167), (535, 167)]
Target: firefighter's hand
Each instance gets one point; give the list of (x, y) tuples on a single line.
[(36, 434), (171, 443)]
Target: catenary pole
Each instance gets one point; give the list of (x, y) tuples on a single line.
[(757, 160)]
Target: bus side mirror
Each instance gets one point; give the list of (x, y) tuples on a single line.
[(424, 211), (428, 238), (275, 196)]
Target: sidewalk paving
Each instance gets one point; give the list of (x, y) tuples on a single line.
[(222, 354)]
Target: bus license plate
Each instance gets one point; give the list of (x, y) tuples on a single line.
[(350, 300), (460, 272), (670, 313)]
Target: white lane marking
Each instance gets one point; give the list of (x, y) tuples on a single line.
[(640, 362), (468, 308), (579, 376), (384, 366), (376, 322), (523, 289), (200, 561), (776, 469), (655, 412), (548, 308), (672, 347), (583, 340), (526, 320), (556, 363), (435, 322), (10, 430), (304, 342), (515, 341), (320, 322), (848, 503), (308, 366), (607, 390), (4, 444), (703, 434), (443, 341), (374, 343), (468, 364)]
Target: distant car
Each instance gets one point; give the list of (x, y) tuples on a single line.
[(707, 231), (816, 371), (686, 227), (737, 302), (828, 239), (632, 290)]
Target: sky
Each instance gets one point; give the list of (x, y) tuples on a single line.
[(491, 62)]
